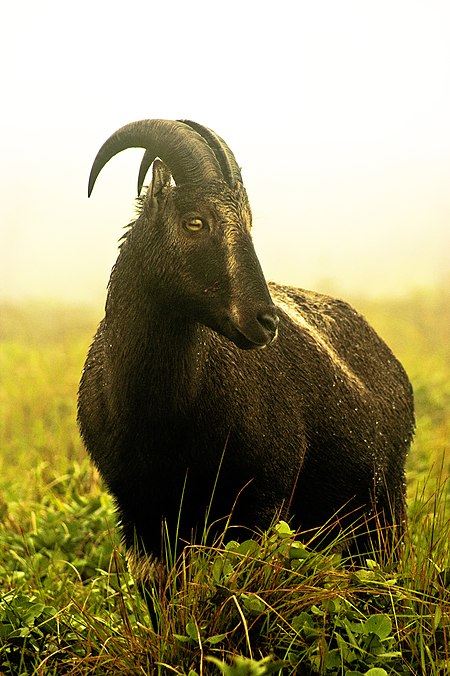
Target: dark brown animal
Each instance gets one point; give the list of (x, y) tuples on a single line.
[(179, 410)]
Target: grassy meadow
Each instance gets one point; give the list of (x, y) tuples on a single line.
[(69, 606)]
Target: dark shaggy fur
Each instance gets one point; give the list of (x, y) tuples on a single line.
[(317, 422)]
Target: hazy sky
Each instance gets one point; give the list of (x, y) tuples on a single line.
[(337, 111)]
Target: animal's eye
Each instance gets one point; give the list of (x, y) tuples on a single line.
[(194, 224)]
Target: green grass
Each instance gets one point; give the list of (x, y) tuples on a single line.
[(69, 606)]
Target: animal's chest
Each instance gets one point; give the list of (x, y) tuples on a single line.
[(190, 449)]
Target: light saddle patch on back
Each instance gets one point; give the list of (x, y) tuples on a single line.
[(286, 304)]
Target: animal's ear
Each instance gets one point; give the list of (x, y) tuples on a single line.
[(161, 179)]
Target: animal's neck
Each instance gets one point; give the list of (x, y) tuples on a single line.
[(157, 357)]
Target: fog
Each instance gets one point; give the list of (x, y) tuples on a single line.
[(337, 112)]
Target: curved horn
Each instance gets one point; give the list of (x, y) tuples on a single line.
[(224, 155), (185, 152), (146, 162), (230, 169)]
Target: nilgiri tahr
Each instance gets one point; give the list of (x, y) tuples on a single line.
[(209, 393)]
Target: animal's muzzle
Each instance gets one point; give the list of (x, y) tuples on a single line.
[(255, 330), (269, 322)]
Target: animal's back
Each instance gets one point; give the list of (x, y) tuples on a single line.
[(359, 417)]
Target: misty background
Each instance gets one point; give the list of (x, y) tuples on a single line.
[(338, 113)]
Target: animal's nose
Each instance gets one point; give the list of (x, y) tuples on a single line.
[(269, 321)]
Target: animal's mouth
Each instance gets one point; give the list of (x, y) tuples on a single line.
[(244, 343), (251, 341)]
